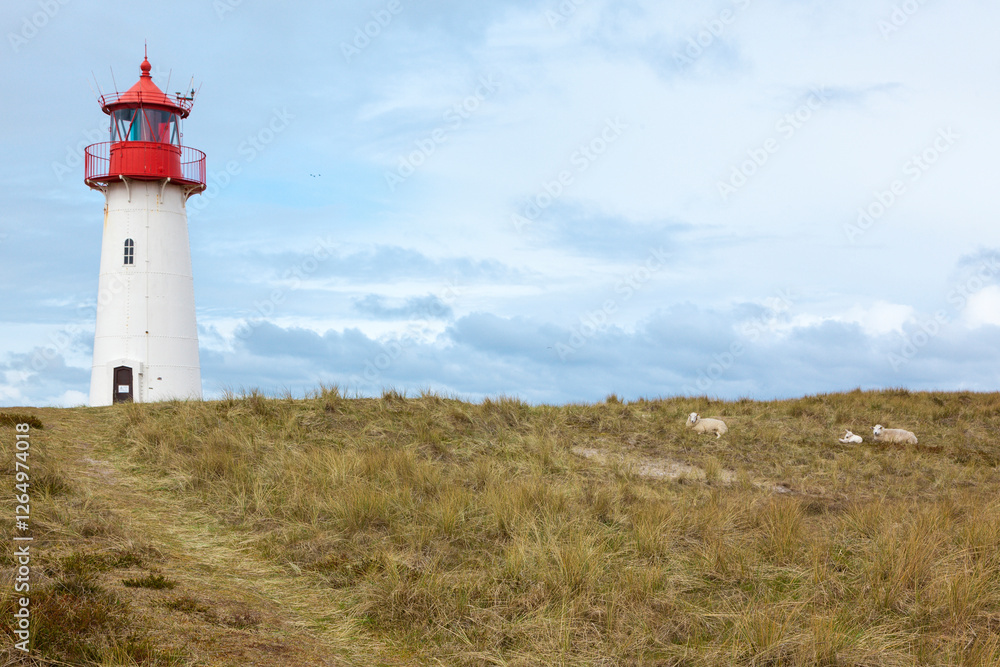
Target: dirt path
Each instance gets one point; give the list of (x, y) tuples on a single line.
[(235, 608)]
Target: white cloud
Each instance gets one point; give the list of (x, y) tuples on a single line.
[(70, 399), (880, 318), (983, 308)]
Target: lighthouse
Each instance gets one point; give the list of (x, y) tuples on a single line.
[(146, 340)]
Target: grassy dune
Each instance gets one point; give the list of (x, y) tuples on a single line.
[(425, 530)]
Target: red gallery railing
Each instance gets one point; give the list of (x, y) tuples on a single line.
[(144, 160)]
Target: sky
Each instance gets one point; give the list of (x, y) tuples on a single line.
[(550, 199)]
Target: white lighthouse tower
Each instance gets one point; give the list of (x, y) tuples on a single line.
[(146, 343)]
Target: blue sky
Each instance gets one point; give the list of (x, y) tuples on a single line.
[(554, 199)]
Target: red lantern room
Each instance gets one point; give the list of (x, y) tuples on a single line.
[(145, 139)]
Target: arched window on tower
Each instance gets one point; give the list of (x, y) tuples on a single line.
[(129, 251)]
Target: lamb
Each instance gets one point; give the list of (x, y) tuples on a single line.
[(700, 425), (851, 438), (896, 436)]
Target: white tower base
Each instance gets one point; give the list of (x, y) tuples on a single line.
[(146, 342)]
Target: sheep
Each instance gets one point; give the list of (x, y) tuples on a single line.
[(894, 435), (700, 425), (851, 438)]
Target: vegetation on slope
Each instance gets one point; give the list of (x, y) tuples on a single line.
[(428, 530)]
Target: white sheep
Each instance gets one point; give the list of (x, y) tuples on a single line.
[(851, 438), (713, 425), (894, 435)]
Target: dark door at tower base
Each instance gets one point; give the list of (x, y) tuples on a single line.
[(123, 384)]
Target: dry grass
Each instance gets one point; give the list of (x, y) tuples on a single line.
[(422, 530)]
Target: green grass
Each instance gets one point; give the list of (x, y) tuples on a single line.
[(15, 418), (156, 582), (426, 529), (76, 619)]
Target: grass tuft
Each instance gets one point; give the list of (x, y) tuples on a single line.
[(15, 418), (157, 582)]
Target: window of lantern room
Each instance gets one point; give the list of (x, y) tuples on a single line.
[(145, 125), (161, 126), (121, 124), (129, 251)]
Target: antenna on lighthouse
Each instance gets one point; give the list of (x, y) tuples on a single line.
[(92, 91), (113, 78), (95, 84), (188, 96)]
